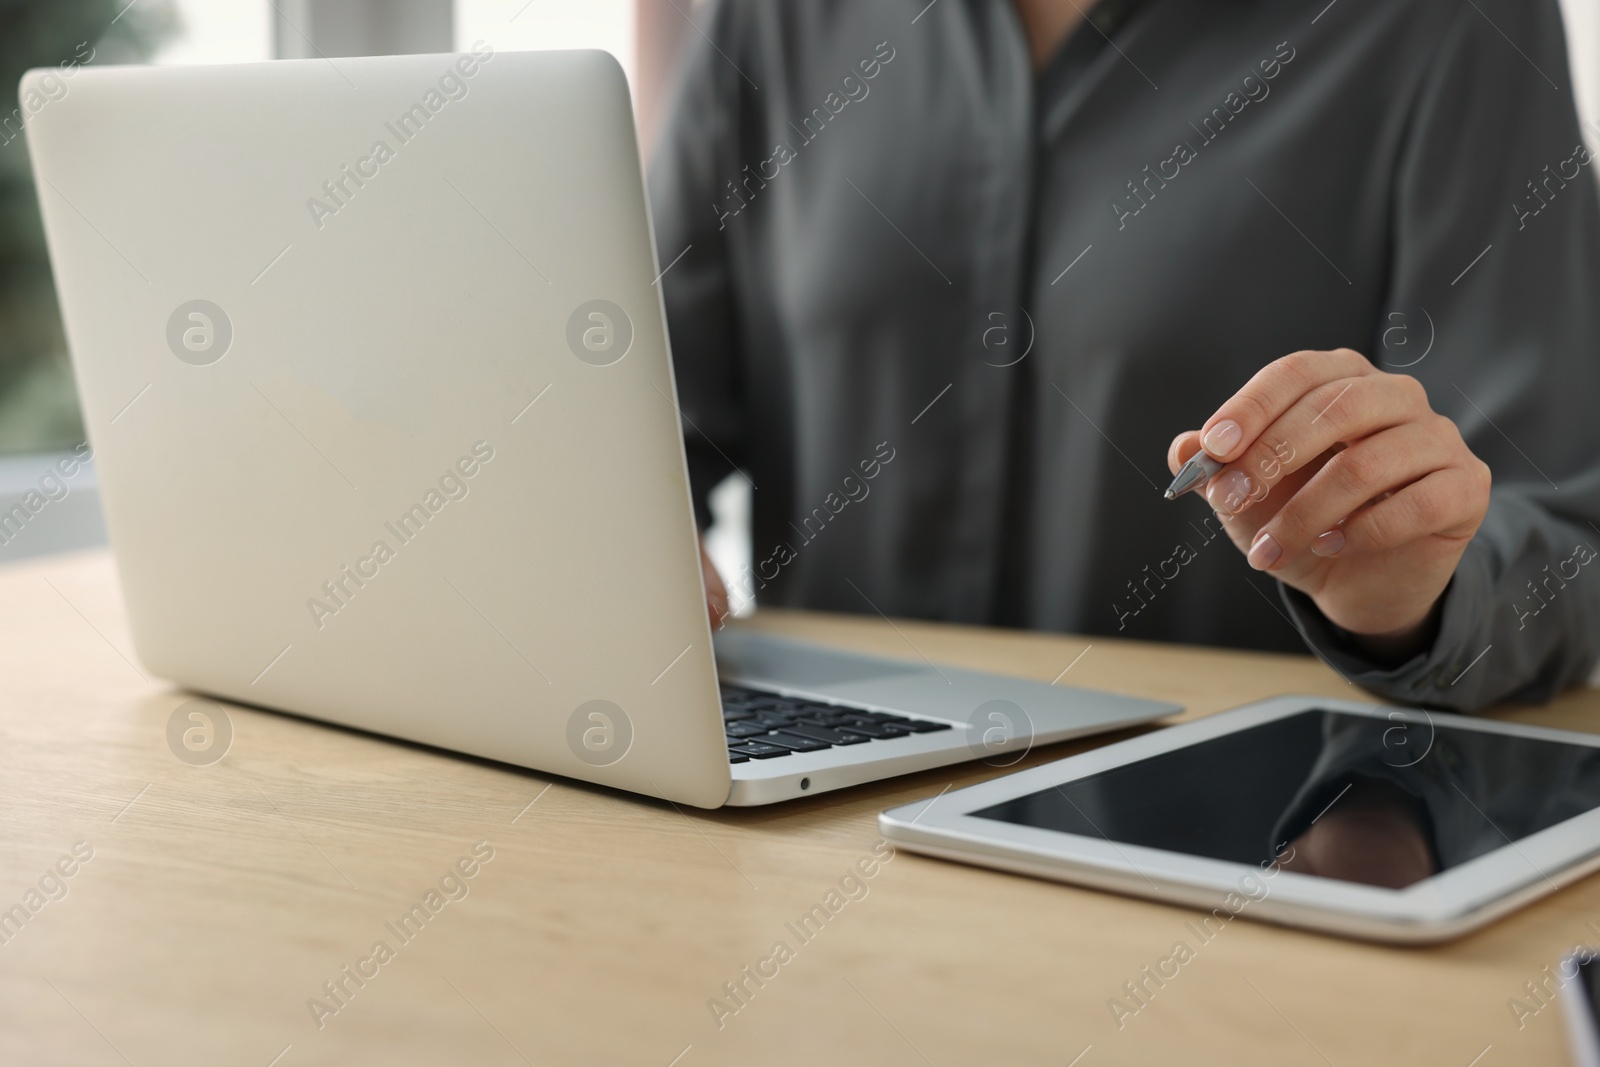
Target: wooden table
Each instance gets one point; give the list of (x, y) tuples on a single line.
[(219, 899)]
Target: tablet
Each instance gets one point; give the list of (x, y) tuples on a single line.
[(1356, 819)]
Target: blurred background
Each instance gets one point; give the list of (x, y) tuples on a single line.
[(38, 406), (39, 418)]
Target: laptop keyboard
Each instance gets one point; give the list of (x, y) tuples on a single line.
[(763, 725)]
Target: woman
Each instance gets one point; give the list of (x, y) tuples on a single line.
[(998, 253)]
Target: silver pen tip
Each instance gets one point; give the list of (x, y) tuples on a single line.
[(1197, 471)]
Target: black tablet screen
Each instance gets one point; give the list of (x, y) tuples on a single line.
[(1383, 802)]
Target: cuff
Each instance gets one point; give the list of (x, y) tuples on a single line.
[(1442, 676)]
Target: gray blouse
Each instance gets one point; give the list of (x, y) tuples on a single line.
[(945, 314)]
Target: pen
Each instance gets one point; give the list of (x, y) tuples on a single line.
[(1193, 474)]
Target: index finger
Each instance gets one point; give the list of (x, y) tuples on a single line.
[(1271, 392)]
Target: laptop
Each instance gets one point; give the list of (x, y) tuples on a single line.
[(372, 357)]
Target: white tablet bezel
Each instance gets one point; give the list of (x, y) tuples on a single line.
[(1443, 906)]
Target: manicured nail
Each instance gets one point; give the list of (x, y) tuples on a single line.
[(1329, 544), (1230, 492), (1221, 438), (1265, 552)]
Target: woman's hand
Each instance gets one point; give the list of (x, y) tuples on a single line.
[(1343, 483)]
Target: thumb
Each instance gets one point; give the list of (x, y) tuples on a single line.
[(1182, 449)]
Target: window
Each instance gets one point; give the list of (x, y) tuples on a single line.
[(521, 25)]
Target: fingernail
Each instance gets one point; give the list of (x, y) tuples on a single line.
[(1265, 552), (1221, 438), (1230, 492), (1329, 544)]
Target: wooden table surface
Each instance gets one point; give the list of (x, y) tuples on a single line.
[(219, 899)]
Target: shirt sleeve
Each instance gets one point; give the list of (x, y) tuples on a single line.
[(693, 157), (1496, 278)]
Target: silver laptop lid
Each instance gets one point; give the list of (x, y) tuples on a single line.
[(374, 366)]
